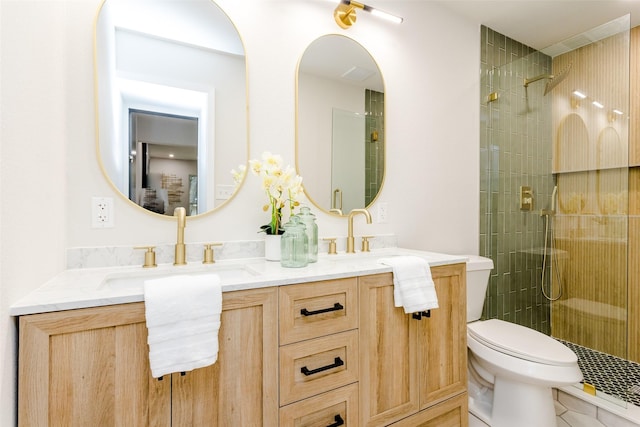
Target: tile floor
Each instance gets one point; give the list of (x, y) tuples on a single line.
[(566, 419), (575, 409)]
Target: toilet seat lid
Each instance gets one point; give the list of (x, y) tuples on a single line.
[(521, 342)]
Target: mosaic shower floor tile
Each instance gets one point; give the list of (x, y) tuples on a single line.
[(612, 375)]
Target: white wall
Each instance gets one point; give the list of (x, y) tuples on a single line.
[(49, 170)]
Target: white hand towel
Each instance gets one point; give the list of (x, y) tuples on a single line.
[(183, 320), (413, 287)]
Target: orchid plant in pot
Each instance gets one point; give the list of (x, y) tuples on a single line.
[(282, 186)]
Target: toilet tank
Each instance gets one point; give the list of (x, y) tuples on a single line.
[(478, 272)]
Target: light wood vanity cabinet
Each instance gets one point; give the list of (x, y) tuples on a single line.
[(326, 353), (90, 367), (410, 365)]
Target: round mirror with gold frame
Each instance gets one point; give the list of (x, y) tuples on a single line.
[(171, 92), (340, 124)]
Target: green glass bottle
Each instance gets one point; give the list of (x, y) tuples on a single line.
[(309, 221)]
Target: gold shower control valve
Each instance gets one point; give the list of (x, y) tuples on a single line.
[(526, 198)]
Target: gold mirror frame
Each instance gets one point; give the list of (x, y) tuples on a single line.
[(222, 184)]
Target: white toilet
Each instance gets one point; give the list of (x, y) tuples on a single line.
[(512, 368)]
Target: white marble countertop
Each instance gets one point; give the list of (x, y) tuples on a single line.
[(93, 287)]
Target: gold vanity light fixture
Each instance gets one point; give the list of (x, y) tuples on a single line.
[(614, 114), (345, 13), (576, 98)]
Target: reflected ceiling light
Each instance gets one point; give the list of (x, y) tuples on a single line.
[(618, 112), (345, 13), (579, 94), (597, 104)]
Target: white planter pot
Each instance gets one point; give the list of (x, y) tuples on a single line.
[(272, 247)]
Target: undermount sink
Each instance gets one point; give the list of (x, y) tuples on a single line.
[(135, 281)]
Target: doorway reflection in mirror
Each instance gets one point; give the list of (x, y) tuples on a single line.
[(159, 171)]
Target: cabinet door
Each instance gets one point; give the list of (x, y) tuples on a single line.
[(450, 413), (408, 364), (241, 388), (442, 338), (389, 368), (89, 367)]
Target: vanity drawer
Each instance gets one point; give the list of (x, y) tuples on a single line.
[(323, 410), (311, 367), (316, 309)]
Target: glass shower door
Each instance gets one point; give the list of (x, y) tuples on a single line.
[(591, 119)]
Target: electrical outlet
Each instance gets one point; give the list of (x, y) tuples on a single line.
[(101, 212), (382, 212)]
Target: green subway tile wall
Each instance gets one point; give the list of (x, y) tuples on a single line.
[(515, 150), (374, 149)]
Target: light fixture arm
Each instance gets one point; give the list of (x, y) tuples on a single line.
[(345, 13)]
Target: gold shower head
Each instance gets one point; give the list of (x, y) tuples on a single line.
[(557, 79), (552, 79)]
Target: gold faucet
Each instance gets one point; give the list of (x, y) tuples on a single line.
[(181, 214), (350, 240)]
